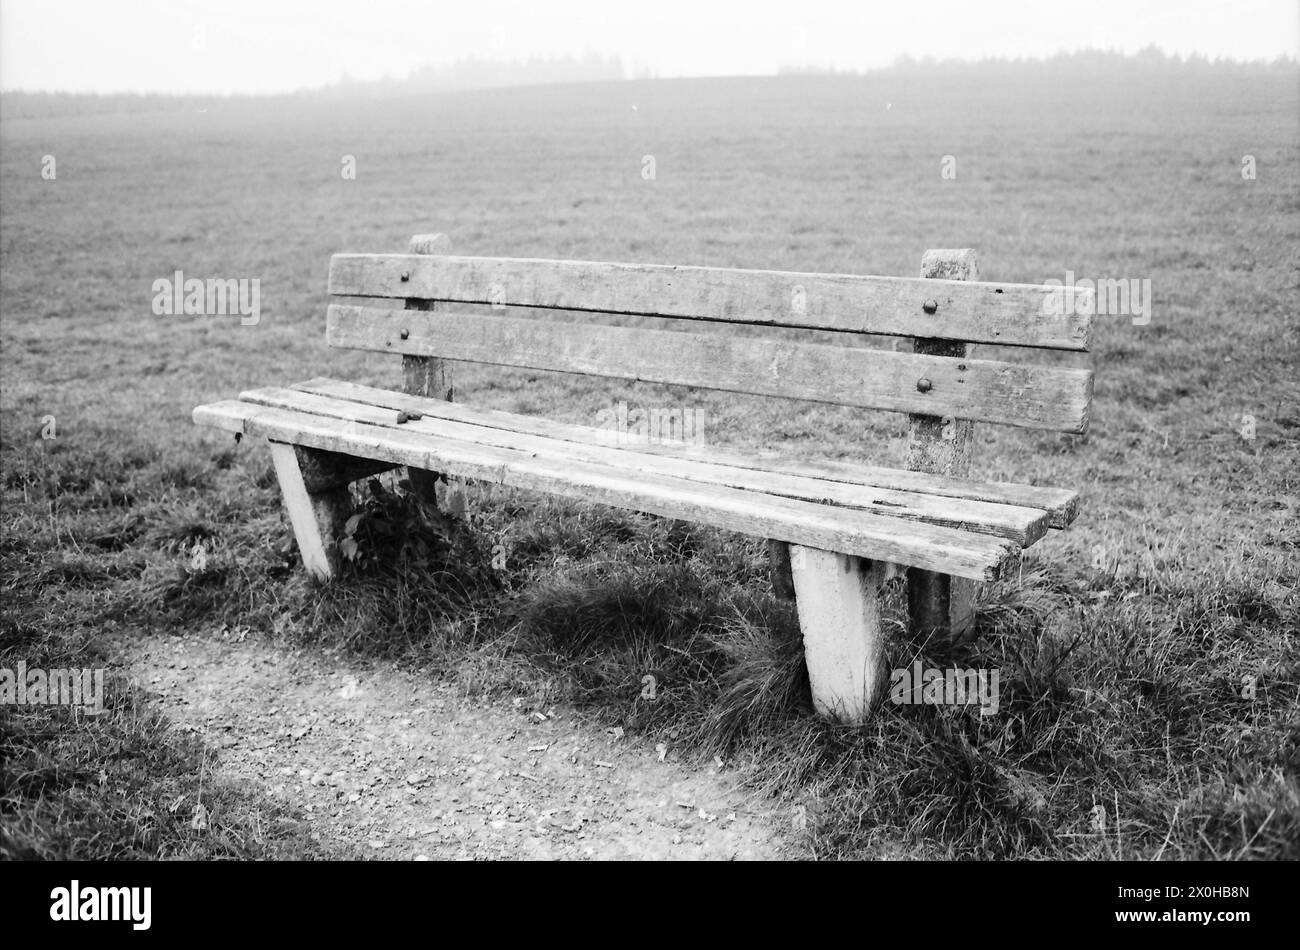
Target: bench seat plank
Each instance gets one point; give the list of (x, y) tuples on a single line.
[(1060, 505), (846, 530), (1020, 524)]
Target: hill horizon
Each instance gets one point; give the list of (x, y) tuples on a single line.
[(477, 74)]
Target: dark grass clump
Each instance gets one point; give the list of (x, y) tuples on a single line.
[(411, 578), (414, 581), (615, 629), (662, 642), (762, 682)]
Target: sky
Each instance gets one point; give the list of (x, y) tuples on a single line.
[(273, 46)]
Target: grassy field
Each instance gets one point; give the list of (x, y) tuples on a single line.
[(1125, 727)]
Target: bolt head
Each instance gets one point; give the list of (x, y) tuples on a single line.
[(405, 334), (930, 306), (923, 385), (406, 275)]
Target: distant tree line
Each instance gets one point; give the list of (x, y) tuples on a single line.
[(472, 73), (476, 73), (482, 73), (1148, 61)]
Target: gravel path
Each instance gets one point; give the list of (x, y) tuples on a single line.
[(409, 769)]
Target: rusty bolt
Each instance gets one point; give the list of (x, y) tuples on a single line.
[(923, 385), (930, 306), (405, 334)]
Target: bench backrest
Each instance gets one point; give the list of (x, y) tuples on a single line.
[(1019, 315)]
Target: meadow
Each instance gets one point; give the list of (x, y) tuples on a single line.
[(1150, 662)]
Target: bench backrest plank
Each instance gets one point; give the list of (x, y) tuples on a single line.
[(1039, 397), (942, 315), (973, 311)]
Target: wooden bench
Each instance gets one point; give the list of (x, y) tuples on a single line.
[(837, 531)]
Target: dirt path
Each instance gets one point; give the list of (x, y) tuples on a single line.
[(408, 769)]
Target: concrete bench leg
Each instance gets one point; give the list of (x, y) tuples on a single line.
[(317, 516), (839, 601)]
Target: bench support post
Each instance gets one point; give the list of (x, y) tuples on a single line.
[(939, 606), (426, 376), (322, 470), (317, 516), (778, 554), (839, 598)]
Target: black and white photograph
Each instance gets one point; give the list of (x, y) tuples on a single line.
[(571, 432)]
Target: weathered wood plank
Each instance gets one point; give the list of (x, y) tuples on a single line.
[(1019, 524), (779, 570), (845, 530), (1008, 314), (426, 376), (1060, 504), (322, 471), (317, 517), (1035, 397), (941, 607), (839, 602)]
